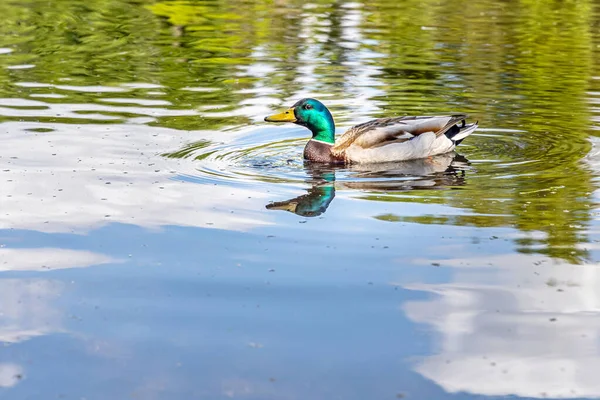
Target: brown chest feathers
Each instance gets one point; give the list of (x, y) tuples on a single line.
[(320, 152)]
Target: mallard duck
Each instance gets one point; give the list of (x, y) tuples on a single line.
[(379, 140)]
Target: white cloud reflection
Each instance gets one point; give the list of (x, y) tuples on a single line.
[(10, 374), (27, 306), (78, 178), (45, 259), (26, 309), (26, 312), (527, 327)]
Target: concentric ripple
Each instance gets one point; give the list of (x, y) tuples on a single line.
[(275, 156)]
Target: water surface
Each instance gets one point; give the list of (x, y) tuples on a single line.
[(158, 240)]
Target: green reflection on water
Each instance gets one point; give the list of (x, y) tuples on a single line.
[(522, 65)]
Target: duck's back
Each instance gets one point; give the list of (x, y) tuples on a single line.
[(389, 139)]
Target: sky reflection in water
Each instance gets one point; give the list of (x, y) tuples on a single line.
[(144, 242)]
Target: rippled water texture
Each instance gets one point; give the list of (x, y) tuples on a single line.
[(158, 240)]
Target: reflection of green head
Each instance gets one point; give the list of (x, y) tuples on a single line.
[(312, 114), (328, 176), (312, 204), (316, 202), (309, 205)]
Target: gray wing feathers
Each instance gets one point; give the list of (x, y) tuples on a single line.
[(378, 131)]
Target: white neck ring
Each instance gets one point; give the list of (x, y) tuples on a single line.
[(320, 141)]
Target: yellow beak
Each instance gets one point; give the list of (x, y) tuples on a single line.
[(284, 205), (286, 116)]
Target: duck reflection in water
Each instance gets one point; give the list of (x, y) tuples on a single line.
[(438, 172), (320, 194)]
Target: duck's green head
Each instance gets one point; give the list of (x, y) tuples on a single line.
[(312, 114)]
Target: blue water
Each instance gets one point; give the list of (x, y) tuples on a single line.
[(158, 240)]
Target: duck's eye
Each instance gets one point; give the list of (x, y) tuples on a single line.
[(307, 106)]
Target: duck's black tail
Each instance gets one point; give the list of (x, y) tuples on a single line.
[(460, 131)]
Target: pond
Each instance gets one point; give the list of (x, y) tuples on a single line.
[(159, 240)]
